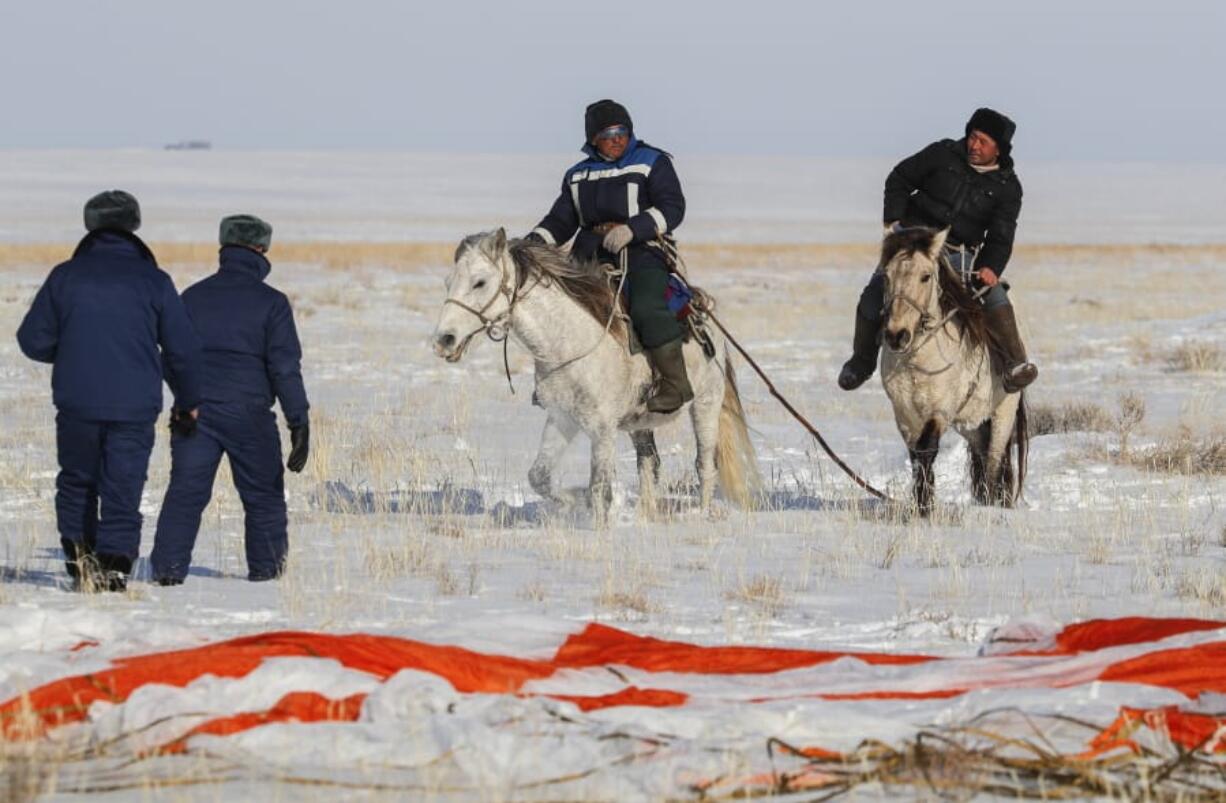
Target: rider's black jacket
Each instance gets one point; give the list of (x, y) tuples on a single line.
[(938, 187)]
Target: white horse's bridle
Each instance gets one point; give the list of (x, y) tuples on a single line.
[(496, 328), (926, 317)]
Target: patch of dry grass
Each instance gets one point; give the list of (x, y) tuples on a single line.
[(1197, 357), (1185, 454), (1075, 416), (763, 592)]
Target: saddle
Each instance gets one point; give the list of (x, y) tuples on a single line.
[(686, 302)]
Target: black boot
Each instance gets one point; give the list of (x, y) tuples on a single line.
[(1017, 371), (102, 572), (863, 362), (672, 386)]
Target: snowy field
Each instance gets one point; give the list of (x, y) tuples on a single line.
[(414, 517)]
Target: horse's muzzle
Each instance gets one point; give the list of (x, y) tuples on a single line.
[(446, 345), (897, 339)]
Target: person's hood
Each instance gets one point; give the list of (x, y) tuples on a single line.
[(242, 260)]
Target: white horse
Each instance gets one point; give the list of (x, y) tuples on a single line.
[(938, 372), (563, 313)]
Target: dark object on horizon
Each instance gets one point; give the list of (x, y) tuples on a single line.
[(190, 145)]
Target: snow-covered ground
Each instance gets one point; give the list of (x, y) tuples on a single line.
[(414, 517)]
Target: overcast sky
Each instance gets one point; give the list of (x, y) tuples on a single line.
[(1094, 80)]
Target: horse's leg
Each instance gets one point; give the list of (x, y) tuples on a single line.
[(560, 430), (603, 470), (649, 468), (923, 454), (981, 480), (999, 467), (704, 415)]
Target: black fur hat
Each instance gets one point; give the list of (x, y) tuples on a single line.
[(112, 209), (245, 230), (995, 125), (602, 114)]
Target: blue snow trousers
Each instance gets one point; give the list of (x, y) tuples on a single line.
[(247, 435), (103, 467)]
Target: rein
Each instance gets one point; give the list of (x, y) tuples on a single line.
[(705, 306), (926, 324), (498, 329), (622, 258)]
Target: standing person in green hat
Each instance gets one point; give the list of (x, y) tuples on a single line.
[(109, 320), (252, 358)]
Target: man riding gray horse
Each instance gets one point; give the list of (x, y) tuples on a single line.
[(626, 195), (968, 186)]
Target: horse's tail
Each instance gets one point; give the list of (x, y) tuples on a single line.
[(734, 453), (1021, 447)]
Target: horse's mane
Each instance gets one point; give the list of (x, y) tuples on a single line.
[(955, 297), (584, 281)]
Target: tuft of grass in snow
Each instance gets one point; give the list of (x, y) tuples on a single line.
[(1132, 413), (1196, 356), (1205, 584), (25, 775), (1075, 416), (1185, 454), (764, 592)]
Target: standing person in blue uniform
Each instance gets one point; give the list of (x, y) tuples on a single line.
[(626, 195), (970, 187), (109, 320), (252, 357)]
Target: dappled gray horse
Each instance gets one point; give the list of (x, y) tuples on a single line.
[(564, 314), (938, 371)]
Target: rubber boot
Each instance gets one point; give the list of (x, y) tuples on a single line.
[(97, 573), (1018, 371), (672, 386), (863, 362)]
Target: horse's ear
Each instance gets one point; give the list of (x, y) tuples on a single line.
[(938, 242), (500, 241)]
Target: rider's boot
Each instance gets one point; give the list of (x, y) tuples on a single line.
[(672, 386), (1002, 325), (863, 362)]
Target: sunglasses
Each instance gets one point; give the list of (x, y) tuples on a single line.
[(613, 132)]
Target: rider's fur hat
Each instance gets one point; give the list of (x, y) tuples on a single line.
[(112, 209), (245, 230), (604, 113), (997, 126)]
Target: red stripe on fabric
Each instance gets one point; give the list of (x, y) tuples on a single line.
[(1098, 634), (631, 695), (1189, 670), (296, 706), (67, 700), (600, 645)]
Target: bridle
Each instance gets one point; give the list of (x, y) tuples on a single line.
[(496, 328), (925, 317)]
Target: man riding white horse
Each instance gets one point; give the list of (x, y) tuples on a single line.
[(968, 186), (626, 195)]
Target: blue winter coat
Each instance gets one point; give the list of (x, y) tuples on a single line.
[(100, 319), (251, 349), (640, 189)]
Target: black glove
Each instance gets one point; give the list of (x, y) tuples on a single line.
[(300, 447), (533, 237), (182, 422)]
